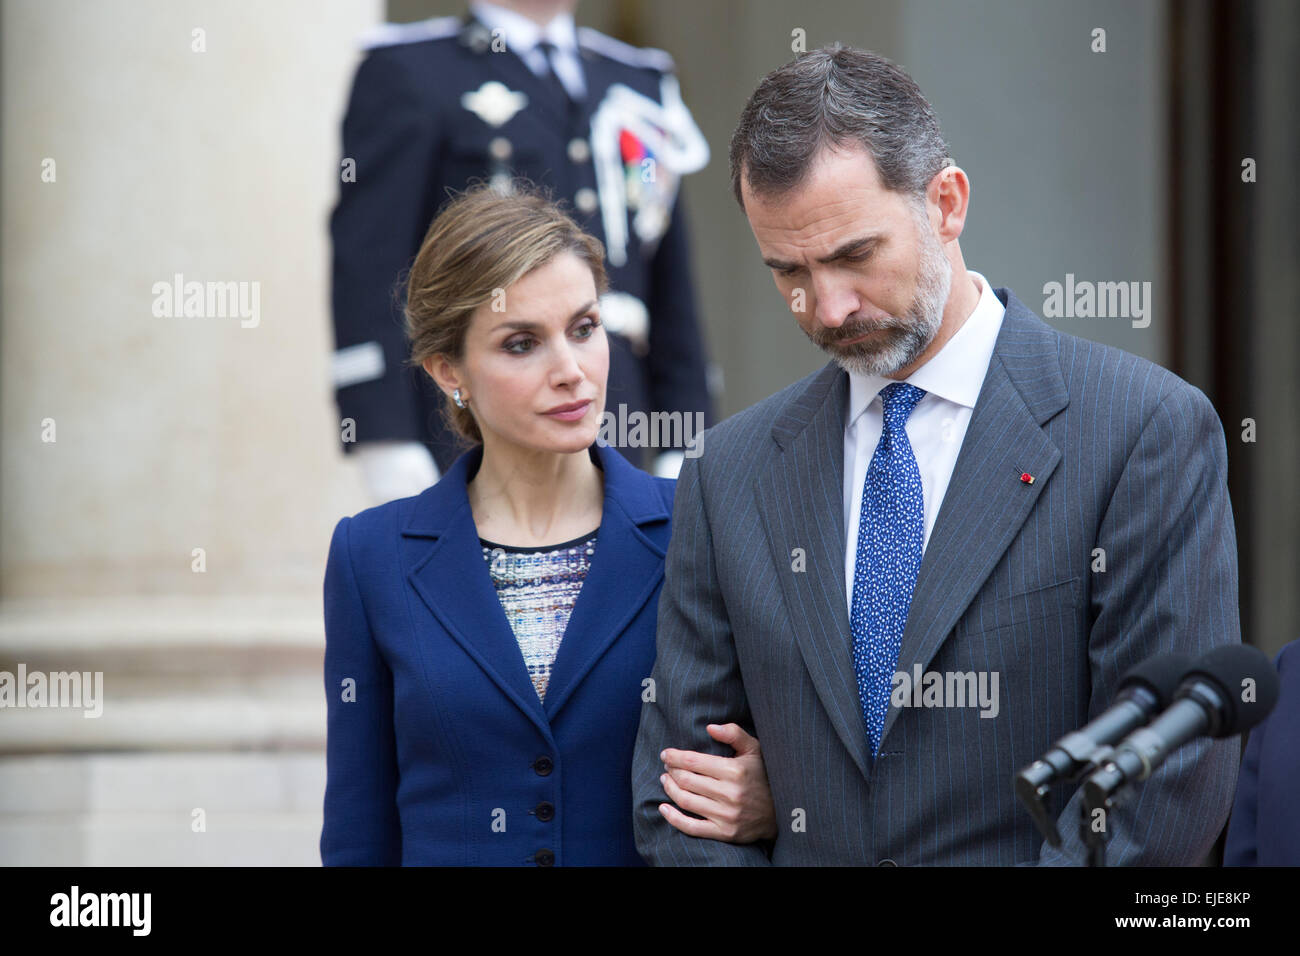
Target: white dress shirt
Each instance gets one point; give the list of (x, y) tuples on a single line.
[(523, 35), (951, 381)]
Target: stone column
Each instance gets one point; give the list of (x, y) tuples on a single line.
[(171, 475)]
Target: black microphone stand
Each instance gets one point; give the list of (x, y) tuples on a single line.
[(1093, 839), (1032, 789)]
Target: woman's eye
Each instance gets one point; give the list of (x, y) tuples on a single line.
[(588, 330), (517, 346)]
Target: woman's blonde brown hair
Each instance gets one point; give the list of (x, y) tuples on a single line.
[(483, 241)]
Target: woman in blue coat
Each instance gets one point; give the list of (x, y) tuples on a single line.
[(489, 642)]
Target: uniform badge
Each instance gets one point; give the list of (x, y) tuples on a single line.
[(640, 150), (494, 103)]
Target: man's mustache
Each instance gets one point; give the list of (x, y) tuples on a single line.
[(858, 328)]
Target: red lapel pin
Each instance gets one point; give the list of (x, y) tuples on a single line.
[(1026, 477)]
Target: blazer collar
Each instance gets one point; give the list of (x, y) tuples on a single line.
[(631, 488), (1022, 390), (451, 577)]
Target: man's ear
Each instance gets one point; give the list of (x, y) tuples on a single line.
[(949, 191)]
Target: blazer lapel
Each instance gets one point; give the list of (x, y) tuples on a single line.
[(453, 581), (801, 499), (987, 502), (626, 568)]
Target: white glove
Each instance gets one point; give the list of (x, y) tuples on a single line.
[(395, 469), (669, 464)]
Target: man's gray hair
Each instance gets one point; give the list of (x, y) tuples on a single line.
[(836, 96)]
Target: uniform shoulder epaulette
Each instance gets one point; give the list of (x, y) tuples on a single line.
[(394, 34), (646, 57)]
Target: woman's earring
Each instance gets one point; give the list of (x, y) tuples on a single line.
[(455, 397)]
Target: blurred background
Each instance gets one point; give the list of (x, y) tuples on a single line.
[(169, 484)]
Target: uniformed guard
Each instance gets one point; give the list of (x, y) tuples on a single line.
[(440, 104)]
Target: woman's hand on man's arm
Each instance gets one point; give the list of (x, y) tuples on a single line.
[(730, 793)]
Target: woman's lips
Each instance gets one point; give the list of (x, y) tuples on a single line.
[(572, 414)]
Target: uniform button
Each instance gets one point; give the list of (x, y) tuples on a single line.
[(886, 862), (500, 148), (579, 151), (477, 38), (543, 766), (545, 811), (544, 858), (586, 200)]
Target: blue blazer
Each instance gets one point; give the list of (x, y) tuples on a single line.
[(1265, 827), (439, 751)]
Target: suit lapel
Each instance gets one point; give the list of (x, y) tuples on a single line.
[(801, 502), (987, 503), (801, 499)]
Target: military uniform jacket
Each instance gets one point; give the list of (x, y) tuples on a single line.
[(433, 109)]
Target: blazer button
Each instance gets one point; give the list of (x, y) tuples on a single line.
[(544, 858), (545, 811), (886, 862), (543, 766)]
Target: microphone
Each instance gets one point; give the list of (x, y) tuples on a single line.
[(1145, 690), (1212, 701)]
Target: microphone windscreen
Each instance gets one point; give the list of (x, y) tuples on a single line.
[(1246, 680), (1161, 675)]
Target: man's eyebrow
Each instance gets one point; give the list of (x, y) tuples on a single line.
[(850, 247), (524, 326)]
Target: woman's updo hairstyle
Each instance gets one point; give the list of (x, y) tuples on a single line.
[(481, 242)]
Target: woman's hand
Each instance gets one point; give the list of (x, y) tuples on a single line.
[(731, 793)]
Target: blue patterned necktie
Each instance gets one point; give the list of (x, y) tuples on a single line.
[(891, 530)]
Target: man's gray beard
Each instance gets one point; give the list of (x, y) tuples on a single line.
[(907, 337)]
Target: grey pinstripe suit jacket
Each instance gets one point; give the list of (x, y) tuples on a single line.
[(1126, 457)]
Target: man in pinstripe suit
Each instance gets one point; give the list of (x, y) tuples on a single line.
[(963, 492)]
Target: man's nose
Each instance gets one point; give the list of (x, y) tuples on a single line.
[(835, 303)]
